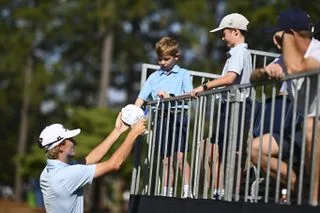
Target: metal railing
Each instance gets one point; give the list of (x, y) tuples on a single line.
[(147, 68), (259, 58), (221, 141)]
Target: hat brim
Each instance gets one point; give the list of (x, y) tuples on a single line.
[(69, 134), (217, 29), (72, 133)]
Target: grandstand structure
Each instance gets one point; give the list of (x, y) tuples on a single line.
[(227, 165)]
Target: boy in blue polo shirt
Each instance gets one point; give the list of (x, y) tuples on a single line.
[(169, 80)]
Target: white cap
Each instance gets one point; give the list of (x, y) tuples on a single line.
[(54, 134), (131, 114), (233, 20)]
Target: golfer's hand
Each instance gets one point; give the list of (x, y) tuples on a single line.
[(120, 126), (140, 127)]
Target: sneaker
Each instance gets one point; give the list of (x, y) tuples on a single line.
[(218, 195), (166, 193), (214, 196), (189, 195)]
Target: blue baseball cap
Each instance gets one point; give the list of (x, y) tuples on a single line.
[(293, 18)]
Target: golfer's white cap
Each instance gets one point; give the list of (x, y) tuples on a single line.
[(54, 134), (131, 114), (233, 20)]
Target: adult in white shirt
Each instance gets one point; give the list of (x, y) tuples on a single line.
[(301, 53)]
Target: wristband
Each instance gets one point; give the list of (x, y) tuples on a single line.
[(205, 86)]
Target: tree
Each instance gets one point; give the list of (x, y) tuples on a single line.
[(23, 32)]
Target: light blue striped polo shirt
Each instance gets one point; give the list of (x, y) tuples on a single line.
[(62, 186)]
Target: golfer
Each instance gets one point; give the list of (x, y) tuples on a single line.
[(63, 179)]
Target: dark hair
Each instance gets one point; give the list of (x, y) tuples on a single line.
[(305, 34), (243, 32)]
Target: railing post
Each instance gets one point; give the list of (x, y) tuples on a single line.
[(136, 170), (235, 98)]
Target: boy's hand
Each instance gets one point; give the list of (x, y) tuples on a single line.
[(140, 127), (162, 94), (139, 102), (120, 126), (196, 90)]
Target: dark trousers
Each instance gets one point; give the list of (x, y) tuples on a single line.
[(224, 119), (288, 119), (166, 138)]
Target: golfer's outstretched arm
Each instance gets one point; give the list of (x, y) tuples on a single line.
[(121, 154), (99, 151)]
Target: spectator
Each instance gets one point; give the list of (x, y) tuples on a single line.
[(301, 53), (170, 80), (237, 70), (274, 70)]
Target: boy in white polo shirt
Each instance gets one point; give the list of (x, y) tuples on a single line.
[(237, 70)]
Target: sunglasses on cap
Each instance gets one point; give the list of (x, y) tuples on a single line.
[(58, 139)]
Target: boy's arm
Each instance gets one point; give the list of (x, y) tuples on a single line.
[(234, 67), (139, 102), (144, 92), (225, 80)]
